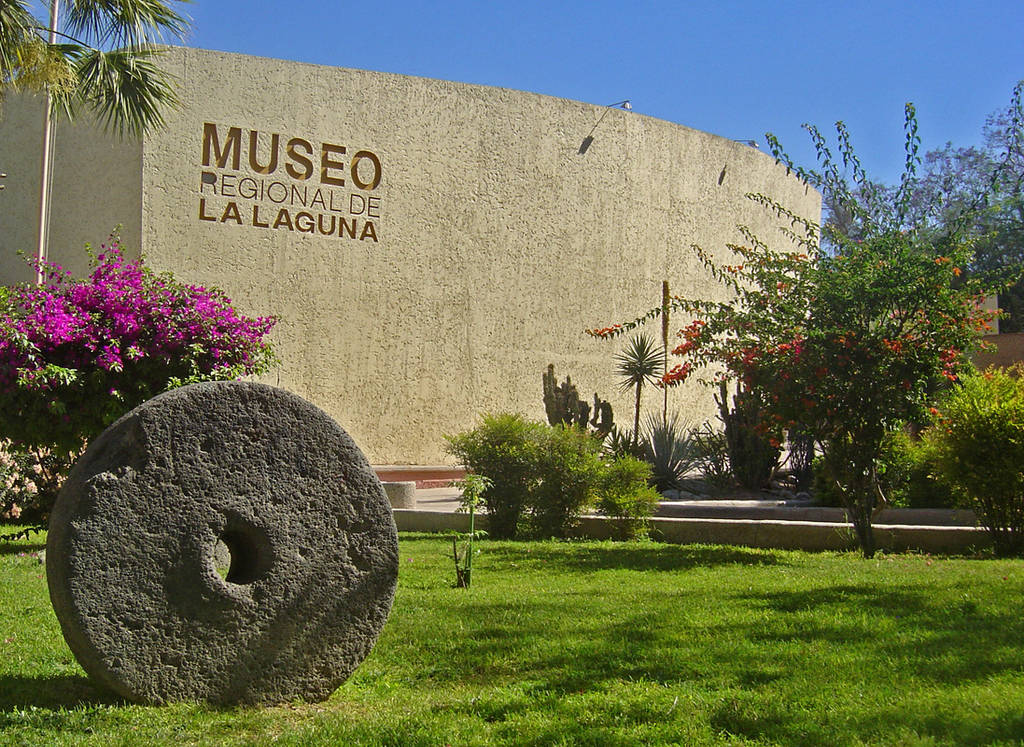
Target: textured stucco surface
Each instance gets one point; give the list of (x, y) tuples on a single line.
[(274, 484), (96, 186), (499, 242)]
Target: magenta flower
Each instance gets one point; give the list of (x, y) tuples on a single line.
[(90, 349)]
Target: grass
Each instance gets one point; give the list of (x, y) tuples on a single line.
[(602, 643)]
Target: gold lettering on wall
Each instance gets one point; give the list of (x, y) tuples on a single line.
[(211, 146), (367, 155), (297, 158), (327, 164), (254, 164), (288, 199)]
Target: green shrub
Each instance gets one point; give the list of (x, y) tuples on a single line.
[(543, 477), (568, 468), (505, 449), (905, 474), (624, 496), (825, 494), (977, 448)]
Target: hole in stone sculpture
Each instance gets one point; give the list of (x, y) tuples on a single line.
[(242, 564), (221, 559)]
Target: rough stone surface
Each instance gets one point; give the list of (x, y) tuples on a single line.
[(236, 470)]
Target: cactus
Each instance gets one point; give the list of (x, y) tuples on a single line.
[(752, 457), (603, 420), (562, 404)]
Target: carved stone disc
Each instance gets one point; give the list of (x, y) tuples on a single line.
[(224, 542)]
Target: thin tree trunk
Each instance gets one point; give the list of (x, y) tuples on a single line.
[(636, 416), (460, 579), (664, 348), (851, 470), (860, 516)]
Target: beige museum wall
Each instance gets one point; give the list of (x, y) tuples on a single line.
[(498, 241), (96, 185)]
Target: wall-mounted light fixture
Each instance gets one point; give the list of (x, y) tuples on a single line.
[(2, 176), (624, 104)]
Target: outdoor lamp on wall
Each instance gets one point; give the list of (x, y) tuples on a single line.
[(625, 104)]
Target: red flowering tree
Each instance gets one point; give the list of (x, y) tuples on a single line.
[(844, 343)]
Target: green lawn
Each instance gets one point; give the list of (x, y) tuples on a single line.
[(602, 643)]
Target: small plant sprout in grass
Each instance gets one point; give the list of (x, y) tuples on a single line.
[(472, 487)]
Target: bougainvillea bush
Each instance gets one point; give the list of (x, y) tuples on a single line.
[(843, 338), (76, 354)]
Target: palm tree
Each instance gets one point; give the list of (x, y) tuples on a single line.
[(101, 58), (641, 362)]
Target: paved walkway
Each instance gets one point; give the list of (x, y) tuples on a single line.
[(437, 499), (446, 500)]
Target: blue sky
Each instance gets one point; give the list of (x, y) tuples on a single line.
[(737, 69)]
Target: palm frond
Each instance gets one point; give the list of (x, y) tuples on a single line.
[(125, 24), (125, 88), (640, 362), (16, 29)]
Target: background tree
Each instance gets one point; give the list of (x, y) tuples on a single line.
[(847, 337), (955, 179), (103, 58), (972, 193)]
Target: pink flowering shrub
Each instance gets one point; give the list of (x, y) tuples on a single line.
[(76, 354), (29, 479)]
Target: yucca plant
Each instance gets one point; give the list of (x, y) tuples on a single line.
[(669, 447), (620, 442), (640, 363)]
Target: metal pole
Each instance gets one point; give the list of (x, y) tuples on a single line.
[(46, 175)]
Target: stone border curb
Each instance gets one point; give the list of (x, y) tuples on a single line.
[(765, 534)]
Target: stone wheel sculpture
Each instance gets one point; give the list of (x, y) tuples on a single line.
[(224, 542)]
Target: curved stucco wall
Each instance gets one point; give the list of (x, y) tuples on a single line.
[(96, 185), (495, 237)]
